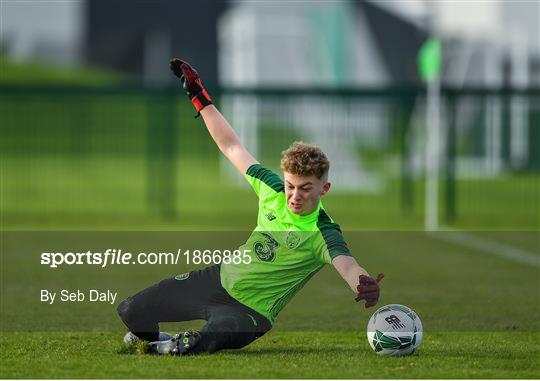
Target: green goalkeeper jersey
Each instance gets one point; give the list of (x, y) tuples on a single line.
[(286, 249)]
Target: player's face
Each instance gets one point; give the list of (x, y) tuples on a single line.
[(303, 193)]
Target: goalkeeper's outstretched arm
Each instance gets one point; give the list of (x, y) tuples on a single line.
[(220, 130), (227, 140), (358, 279)]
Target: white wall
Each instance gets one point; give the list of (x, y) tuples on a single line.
[(51, 30), (274, 43), (495, 21)]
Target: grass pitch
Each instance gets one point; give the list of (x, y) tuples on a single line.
[(344, 355)]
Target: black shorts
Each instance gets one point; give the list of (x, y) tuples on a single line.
[(195, 295)]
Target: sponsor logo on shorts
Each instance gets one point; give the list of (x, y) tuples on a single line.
[(253, 319), (182, 276)]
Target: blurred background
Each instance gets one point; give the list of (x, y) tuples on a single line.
[(96, 134)]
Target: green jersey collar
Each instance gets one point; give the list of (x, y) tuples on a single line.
[(304, 220)]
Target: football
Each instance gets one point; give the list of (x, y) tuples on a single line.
[(394, 330)]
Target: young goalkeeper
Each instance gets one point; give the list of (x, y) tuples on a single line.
[(293, 240)]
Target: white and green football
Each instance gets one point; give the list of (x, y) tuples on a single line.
[(394, 330)]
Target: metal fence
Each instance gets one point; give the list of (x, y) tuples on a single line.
[(86, 151)]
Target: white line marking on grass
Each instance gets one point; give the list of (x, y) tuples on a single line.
[(495, 248)]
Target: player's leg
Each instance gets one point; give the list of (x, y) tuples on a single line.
[(171, 300), (230, 324), (227, 328), (231, 327)]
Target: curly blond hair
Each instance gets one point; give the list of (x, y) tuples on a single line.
[(304, 159)]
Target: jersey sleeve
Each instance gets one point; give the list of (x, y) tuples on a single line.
[(330, 242), (263, 181)]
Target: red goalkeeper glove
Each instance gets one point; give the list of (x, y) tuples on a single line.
[(191, 82), (368, 289)]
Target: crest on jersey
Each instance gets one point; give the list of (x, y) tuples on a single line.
[(292, 240)]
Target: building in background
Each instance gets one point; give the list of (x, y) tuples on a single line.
[(318, 43), (340, 43), (133, 37), (139, 37)]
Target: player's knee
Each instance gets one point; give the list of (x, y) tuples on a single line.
[(229, 332), (127, 310)]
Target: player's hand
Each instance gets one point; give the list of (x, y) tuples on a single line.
[(368, 289), (191, 82)]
